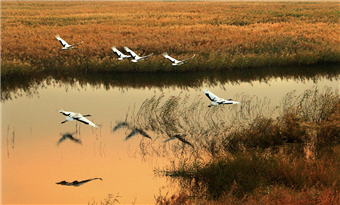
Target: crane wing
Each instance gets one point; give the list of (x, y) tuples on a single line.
[(147, 56), (211, 95), (133, 54), (170, 58), (85, 121), (63, 43), (189, 58), (66, 113), (76, 44), (117, 52)]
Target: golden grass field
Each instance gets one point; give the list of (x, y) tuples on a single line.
[(223, 35)]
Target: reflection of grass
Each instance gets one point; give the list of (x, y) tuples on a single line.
[(28, 84), (223, 35), (249, 150)]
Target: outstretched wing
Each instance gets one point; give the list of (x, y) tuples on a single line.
[(63, 43), (66, 113), (117, 52), (170, 58), (147, 56), (228, 102), (211, 95), (76, 44), (133, 54), (85, 121), (188, 58)]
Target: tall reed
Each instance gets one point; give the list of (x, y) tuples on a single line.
[(238, 149), (223, 35)]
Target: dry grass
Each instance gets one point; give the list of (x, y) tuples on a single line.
[(223, 35), (275, 195), (248, 154)]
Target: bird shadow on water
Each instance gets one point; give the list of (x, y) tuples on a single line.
[(184, 127), (226, 136), (69, 136), (77, 183)]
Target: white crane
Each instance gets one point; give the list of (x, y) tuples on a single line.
[(121, 56), (135, 57), (70, 116), (174, 61), (66, 45), (216, 100)]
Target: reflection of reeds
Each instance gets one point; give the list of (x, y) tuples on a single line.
[(12, 140), (204, 127), (109, 200), (17, 86), (250, 146)]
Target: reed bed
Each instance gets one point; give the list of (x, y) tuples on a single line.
[(223, 35), (247, 152)]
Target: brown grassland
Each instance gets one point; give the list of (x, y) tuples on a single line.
[(223, 35), (247, 154), (290, 159)]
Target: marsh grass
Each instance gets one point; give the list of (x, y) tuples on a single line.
[(239, 150), (109, 200), (223, 35)]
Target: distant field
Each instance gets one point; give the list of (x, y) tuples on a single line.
[(223, 35)]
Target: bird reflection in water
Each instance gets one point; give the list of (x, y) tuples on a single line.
[(134, 130), (68, 135), (77, 183), (179, 137)]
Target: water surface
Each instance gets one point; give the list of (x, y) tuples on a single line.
[(32, 160)]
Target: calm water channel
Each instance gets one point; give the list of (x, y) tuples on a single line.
[(32, 160)]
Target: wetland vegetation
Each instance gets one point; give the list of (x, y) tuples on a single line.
[(243, 154), (27, 85), (223, 35), (246, 154)]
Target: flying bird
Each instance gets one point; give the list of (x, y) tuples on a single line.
[(134, 130), (135, 57), (216, 100), (77, 183), (179, 137), (70, 116), (174, 61), (66, 45), (121, 55), (68, 135)]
